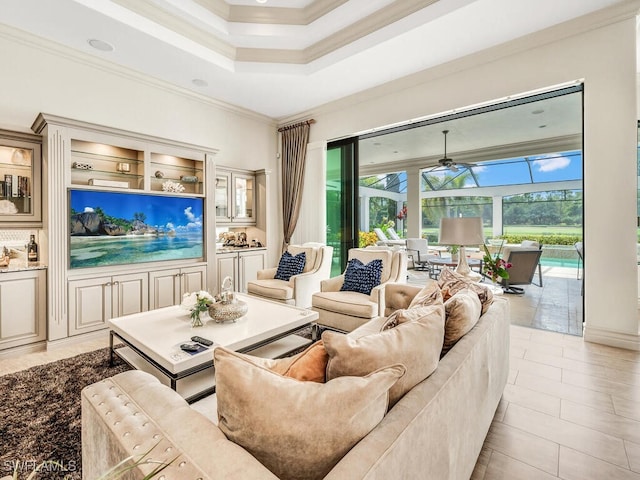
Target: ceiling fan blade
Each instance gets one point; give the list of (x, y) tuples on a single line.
[(453, 167)]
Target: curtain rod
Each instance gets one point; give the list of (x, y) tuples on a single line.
[(307, 122)]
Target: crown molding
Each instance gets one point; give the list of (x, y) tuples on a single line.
[(271, 15), (178, 25), (274, 15)]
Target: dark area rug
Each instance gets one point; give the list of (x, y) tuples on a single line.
[(40, 414)]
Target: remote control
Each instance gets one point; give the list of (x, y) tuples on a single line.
[(189, 347), (203, 341)]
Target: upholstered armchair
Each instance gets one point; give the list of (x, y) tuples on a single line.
[(299, 288), (347, 310)]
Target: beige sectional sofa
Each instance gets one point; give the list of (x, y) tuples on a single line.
[(434, 431)]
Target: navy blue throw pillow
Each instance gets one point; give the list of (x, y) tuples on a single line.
[(360, 277), (290, 265)]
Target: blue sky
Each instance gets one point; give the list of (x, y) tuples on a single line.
[(160, 210)]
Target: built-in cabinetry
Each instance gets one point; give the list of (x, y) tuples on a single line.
[(168, 286), (22, 308), (235, 197), (93, 301), (241, 265), (122, 255), (20, 180)]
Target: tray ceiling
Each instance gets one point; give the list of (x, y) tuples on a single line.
[(283, 57)]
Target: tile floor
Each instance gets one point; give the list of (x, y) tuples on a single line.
[(570, 410)]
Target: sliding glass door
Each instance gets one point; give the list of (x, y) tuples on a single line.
[(342, 198)]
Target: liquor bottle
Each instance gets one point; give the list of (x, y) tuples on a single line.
[(32, 250)]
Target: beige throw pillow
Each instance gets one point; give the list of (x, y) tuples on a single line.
[(463, 311), (451, 283), (429, 295), (415, 344), (298, 430)]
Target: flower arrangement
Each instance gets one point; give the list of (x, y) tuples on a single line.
[(402, 214), (494, 266), (196, 303)]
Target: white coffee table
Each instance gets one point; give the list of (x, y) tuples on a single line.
[(152, 340)]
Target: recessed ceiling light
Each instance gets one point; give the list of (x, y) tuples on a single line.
[(261, 1), (101, 45), (537, 112), (542, 126), (198, 82)]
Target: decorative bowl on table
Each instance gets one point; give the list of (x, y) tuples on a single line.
[(228, 311)]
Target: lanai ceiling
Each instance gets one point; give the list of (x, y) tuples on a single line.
[(282, 57)]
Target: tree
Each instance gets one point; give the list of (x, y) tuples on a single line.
[(139, 216)]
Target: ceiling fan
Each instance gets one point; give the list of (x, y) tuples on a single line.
[(448, 162)]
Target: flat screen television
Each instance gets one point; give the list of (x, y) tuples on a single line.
[(114, 228)]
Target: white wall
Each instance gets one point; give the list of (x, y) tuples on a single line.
[(599, 49), (40, 78)]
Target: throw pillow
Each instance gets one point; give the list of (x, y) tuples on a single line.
[(414, 344), (463, 311), (298, 430), (290, 265), (309, 365), (362, 278), (430, 294), (451, 283)]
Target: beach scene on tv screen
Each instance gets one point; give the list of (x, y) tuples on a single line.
[(108, 228)]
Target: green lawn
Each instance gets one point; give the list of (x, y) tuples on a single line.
[(532, 230)]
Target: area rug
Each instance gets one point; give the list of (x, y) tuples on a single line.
[(40, 413)]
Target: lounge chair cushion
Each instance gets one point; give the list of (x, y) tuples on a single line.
[(271, 288), (347, 303)]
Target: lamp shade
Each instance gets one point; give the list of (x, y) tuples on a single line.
[(461, 231)]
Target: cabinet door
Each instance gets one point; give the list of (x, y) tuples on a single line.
[(22, 308), (165, 288), (227, 266), (222, 196), (249, 265), (20, 180), (193, 279), (130, 294), (244, 200), (89, 304)]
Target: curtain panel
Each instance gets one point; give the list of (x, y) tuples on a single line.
[(294, 150)]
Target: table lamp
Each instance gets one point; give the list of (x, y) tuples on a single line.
[(462, 231)]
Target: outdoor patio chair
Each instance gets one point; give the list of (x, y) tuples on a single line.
[(524, 246), (524, 263), (386, 241), (418, 250), (393, 234)]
